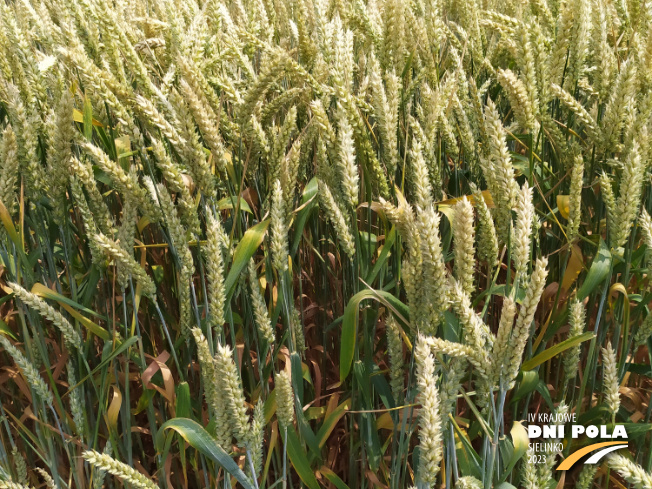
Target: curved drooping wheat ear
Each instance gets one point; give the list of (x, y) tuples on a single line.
[(70, 334), (336, 216), (49, 481), (518, 98), (120, 470), (30, 372), (114, 251), (631, 472)]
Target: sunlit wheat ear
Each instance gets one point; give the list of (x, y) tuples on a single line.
[(179, 241), (9, 169), (284, 399), (630, 471), (118, 469), (529, 473), (212, 392), (49, 481), (464, 245), (114, 252), (501, 349), (499, 171), (486, 232), (100, 474), (30, 372), (278, 229), (70, 334), (229, 386), (610, 379), (521, 242), (545, 469), (450, 386), (629, 198), (430, 449), (433, 271), (421, 178), (518, 98), (127, 183), (126, 233), (468, 482), (521, 331), (175, 180), (575, 198), (62, 132), (215, 270), (572, 356), (83, 174), (347, 161)]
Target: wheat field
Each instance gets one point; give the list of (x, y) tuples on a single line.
[(323, 243)]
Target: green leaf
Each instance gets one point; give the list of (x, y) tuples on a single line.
[(198, 438), (308, 202), (333, 478), (527, 384), (299, 460), (555, 350), (231, 203), (243, 252), (384, 254), (520, 442), (350, 323), (597, 273), (183, 407)]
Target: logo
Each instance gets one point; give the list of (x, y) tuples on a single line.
[(553, 431)]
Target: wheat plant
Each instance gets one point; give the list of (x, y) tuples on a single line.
[(322, 243)]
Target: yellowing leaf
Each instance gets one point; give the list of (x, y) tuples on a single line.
[(563, 204), (573, 269), (114, 409), (79, 117)]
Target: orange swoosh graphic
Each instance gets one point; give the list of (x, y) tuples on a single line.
[(575, 456)]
